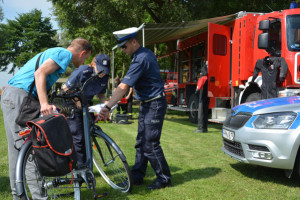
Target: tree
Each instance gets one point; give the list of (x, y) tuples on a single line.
[(23, 38), (1, 14)]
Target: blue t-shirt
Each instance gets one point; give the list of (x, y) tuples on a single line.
[(25, 76), (80, 75), (143, 75)]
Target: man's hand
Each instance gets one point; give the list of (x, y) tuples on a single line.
[(47, 109), (103, 114)]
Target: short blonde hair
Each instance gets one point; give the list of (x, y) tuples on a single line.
[(81, 44)]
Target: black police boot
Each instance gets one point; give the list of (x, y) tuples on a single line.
[(158, 185)]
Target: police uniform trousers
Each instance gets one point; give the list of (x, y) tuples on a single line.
[(151, 116), (204, 102), (77, 130)]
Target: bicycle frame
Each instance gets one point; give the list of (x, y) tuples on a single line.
[(87, 128)]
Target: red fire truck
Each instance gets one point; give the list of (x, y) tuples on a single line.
[(231, 50)]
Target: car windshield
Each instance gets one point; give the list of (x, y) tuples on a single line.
[(293, 32)]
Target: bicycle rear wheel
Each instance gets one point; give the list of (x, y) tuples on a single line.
[(111, 162), (41, 187)]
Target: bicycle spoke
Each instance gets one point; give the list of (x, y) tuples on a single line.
[(110, 166)]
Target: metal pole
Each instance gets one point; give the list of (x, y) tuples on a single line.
[(113, 68), (143, 37), (113, 72)]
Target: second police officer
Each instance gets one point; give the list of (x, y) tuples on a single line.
[(95, 87)]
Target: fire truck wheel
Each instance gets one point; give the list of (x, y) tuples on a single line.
[(193, 105), (253, 97)]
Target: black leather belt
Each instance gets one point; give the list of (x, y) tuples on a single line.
[(156, 97)]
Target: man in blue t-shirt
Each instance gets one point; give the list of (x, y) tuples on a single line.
[(52, 64), (144, 76)]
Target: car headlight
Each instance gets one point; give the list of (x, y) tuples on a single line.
[(282, 120)]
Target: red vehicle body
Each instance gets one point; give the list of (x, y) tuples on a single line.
[(231, 50)]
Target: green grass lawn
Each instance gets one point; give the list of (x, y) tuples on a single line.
[(200, 170)]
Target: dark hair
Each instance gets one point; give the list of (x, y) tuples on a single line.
[(135, 38)]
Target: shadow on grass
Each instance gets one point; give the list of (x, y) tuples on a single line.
[(265, 174), (194, 174), (181, 178), (4, 184)]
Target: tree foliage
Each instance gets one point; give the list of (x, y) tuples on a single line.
[(23, 38), (1, 14)]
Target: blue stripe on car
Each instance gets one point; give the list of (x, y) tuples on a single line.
[(249, 123), (257, 105)]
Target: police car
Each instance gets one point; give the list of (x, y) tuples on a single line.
[(265, 133)]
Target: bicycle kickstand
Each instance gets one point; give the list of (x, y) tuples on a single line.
[(98, 196)]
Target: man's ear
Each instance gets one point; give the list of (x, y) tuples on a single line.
[(82, 53)]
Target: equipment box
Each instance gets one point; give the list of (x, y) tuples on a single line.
[(122, 118)]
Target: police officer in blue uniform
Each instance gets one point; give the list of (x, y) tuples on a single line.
[(96, 87), (144, 76)]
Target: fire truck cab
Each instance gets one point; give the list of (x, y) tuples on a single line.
[(231, 51)]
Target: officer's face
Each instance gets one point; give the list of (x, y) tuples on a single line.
[(128, 47)]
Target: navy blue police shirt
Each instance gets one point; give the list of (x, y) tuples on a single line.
[(80, 75), (143, 75)]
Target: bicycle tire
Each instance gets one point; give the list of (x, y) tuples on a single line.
[(47, 187), (111, 162)]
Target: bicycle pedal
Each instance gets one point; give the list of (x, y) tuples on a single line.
[(101, 195)]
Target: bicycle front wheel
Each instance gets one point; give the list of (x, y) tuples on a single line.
[(111, 162)]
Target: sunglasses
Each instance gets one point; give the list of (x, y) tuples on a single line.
[(123, 46)]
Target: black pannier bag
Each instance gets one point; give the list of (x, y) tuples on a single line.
[(52, 143)]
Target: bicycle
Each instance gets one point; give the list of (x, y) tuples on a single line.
[(101, 151)]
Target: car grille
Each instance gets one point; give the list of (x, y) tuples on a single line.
[(237, 121), (234, 147)]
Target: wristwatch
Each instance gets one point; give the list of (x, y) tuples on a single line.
[(108, 108)]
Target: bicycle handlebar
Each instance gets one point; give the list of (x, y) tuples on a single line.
[(77, 92), (97, 108)]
